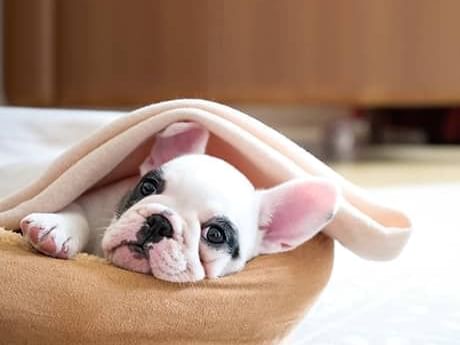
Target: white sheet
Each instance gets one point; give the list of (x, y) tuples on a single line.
[(414, 299), (31, 138)]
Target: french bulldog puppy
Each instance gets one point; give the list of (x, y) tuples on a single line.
[(188, 216)]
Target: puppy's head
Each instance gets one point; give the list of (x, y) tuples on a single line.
[(192, 216)]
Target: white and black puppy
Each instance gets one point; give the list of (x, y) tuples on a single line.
[(187, 216)]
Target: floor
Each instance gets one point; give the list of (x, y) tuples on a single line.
[(403, 165)]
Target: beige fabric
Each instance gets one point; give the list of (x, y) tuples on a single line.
[(370, 229), (275, 288)]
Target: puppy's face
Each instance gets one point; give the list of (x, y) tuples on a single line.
[(194, 216)]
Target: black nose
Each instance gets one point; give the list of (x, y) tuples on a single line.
[(155, 228)]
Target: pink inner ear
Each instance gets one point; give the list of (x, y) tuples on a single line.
[(294, 212), (176, 140)]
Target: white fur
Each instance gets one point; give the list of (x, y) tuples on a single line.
[(198, 188)]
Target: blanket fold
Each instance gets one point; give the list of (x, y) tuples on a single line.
[(267, 157)]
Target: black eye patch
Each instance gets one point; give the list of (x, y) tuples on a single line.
[(219, 232), (150, 184)]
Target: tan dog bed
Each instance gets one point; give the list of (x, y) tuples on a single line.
[(86, 300)]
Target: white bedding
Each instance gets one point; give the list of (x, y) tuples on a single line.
[(414, 299), (31, 138)]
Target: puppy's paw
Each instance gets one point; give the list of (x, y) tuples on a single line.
[(46, 233)]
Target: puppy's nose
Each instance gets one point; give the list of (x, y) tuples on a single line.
[(155, 228)]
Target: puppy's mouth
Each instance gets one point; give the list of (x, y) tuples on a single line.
[(151, 242), (164, 259), (138, 233), (138, 250), (130, 255)]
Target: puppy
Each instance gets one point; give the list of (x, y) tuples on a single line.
[(188, 216)]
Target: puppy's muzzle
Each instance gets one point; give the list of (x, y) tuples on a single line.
[(151, 239), (155, 228)]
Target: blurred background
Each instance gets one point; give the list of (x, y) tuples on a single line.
[(372, 87)]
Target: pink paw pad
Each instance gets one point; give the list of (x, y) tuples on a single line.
[(43, 238)]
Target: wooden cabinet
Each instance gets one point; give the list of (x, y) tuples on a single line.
[(126, 53)]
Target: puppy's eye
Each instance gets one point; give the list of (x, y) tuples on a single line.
[(148, 187), (215, 235), (219, 232)]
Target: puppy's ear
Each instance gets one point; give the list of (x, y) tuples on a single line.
[(293, 212), (176, 140)]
